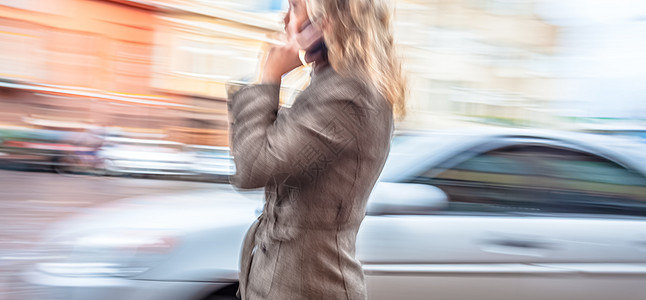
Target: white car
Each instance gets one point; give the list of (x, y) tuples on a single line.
[(211, 160), (482, 215), (121, 155)]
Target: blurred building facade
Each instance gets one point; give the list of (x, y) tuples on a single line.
[(488, 61), (150, 68), (66, 63), (199, 46), (159, 67)]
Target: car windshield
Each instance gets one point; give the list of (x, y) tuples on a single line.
[(408, 152)]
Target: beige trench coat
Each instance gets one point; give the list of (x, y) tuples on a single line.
[(318, 162)]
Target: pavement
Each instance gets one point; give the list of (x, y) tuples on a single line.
[(30, 201)]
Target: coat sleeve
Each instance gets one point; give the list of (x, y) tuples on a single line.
[(266, 141)]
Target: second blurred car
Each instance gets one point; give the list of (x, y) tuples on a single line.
[(122, 155)]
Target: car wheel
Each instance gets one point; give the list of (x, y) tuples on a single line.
[(109, 168), (64, 165), (222, 297), (226, 293)]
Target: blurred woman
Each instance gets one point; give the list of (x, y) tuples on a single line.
[(319, 159)]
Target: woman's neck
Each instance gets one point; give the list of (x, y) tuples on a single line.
[(320, 65)]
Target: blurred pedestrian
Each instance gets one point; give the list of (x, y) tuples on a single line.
[(319, 159)]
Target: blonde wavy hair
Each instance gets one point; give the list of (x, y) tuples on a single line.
[(359, 39)]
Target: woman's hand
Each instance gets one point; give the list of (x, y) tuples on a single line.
[(280, 60)]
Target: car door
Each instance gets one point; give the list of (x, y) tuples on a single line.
[(530, 220)]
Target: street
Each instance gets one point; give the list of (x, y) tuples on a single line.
[(30, 201)]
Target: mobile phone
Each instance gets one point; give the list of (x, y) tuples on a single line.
[(310, 38)]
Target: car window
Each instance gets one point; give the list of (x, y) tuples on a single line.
[(539, 179)]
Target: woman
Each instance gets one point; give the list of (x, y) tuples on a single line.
[(319, 159)]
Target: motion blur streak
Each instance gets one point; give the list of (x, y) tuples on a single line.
[(107, 99)]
